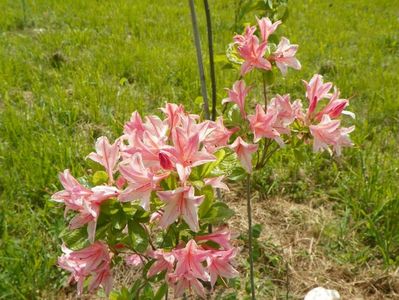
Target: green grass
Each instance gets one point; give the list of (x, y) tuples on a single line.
[(70, 72)]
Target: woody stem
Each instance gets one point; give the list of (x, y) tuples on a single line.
[(251, 260)]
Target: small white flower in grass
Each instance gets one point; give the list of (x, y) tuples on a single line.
[(321, 293)]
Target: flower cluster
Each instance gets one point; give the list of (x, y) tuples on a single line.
[(257, 51), (152, 199), (149, 153), (185, 267)]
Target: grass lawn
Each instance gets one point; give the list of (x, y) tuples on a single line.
[(71, 71)]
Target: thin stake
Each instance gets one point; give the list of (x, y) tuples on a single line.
[(199, 58), (251, 259), (211, 58)]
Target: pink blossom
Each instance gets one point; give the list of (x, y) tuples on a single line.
[(106, 155), (189, 261), (329, 133), (220, 236), (93, 260), (165, 161), (262, 124), (89, 212), (180, 202), (134, 125), (267, 28), (216, 182), (285, 111), (156, 127), (190, 127), (285, 56), (173, 112), (185, 152), (219, 264), (237, 95), (315, 91), (73, 193), (85, 201), (134, 260), (253, 54), (156, 216), (188, 282), (164, 261), (335, 107), (244, 152), (219, 137), (241, 40), (141, 181)]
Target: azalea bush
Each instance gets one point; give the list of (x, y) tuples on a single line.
[(153, 202)]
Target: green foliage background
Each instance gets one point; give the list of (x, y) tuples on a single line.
[(71, 71)]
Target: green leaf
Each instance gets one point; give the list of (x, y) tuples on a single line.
[(148, 293), (99, 177), (220, 58), (141, 215), (74, 239), (219, 212), (161, 292), (209, 167), (207, 191), (238, 174), (256, 230), (135, 287), (138, 236), (119, 220), (110, 207)]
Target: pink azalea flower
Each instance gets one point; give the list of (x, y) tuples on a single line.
[(219, 264), (335, 107), (156, 127), (253, 54), (73, 193), (156, 216), (164, 261), (216, 182), (141, 181), (188, 282), (297, 107), (285, 56), (267, 28), (90, 209), (165, 161), (149, 146), (134, 125), (244, 152), (237, 95), (190, 127), (220, 236), (241, 40), (285, 111), (134, 260), (219, 137), (189, 261), (173, 112), (315, 91), (185, 152), (329, 133), (106, 155), (85, 201), (93, 260), (262, 124), (180, 202)]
